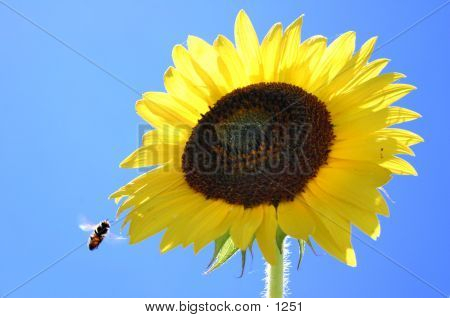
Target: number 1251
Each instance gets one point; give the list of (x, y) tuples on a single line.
[(289, 306)]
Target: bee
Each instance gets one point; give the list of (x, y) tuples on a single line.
[(99, 233)]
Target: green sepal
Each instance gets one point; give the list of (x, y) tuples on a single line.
[(308, 241), (280, 236), (243, 259), (302, 248), (224, 249), (218, 244)]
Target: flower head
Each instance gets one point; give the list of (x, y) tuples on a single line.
[(252, 140)]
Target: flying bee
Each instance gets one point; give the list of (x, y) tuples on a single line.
[(99, 233)]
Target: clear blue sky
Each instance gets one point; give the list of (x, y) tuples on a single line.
[(65, 125)]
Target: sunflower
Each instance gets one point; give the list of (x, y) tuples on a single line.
[(256, 139)]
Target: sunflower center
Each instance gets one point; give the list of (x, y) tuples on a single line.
[(260, 144)]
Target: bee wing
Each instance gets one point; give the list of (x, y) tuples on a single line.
[(86, 224), (113, 236), (87, 227)]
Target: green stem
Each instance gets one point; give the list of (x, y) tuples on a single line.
[(275, 276)]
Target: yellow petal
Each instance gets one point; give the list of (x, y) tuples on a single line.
[(156, 179), (309, 55), (144, 198), (247, 45), (205, 62), (166, 135), (266, 235), (160, 110), (177, 231), (232, 63), (149, 219), (360, 194), (376, 93), (290, 47), (195, 68), (202, 223), (245, 225), (398, 115), (326, 204), (348, 73), (270, 52), (155, 154), (363, 55), (376, 148), (335, 238), (399, 166), (295, 219), (369, 71), (403, 136), (183, 62), (357, 124), (357, 174), (185, 92), (216, 231), (363, 122), (334, 59)]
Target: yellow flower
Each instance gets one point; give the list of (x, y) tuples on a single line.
[(316, 168)]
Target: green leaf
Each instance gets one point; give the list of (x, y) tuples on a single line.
[(224, 249)]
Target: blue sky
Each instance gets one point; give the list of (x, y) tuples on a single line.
[(65, 125)]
